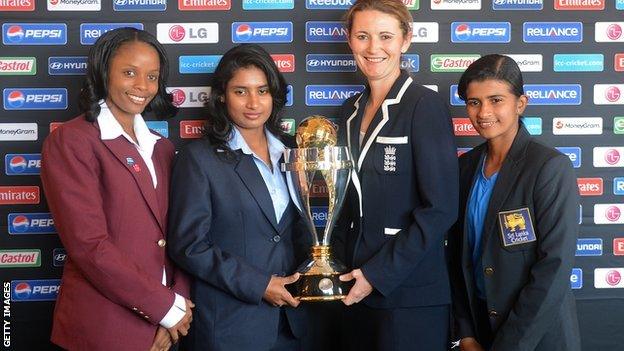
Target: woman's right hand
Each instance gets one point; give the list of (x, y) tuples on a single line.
[(276, 293), (470, 344)]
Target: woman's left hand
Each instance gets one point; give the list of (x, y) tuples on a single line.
[(360, 289)]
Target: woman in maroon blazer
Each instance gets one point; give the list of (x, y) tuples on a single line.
[(106, 178)]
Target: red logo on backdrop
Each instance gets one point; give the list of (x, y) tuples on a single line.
[(191, 129), (582, 5), (614, 31), (618, 62), (54, 125), (17, 5), (19, 195), (178, 96), (202, 5), (618, 246), (177, 32), (54, 2), (613, 94), (590, 186), (318, 189), (559, 125), (613, 213), (463, 127), (284, 62), (612, 156), (613, 277)]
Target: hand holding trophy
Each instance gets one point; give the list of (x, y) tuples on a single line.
[(317, 152)]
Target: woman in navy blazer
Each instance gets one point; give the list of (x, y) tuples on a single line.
[(233, 226), (404, 195), (513, 247)]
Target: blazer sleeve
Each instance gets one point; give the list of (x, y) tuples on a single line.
[(70, 174), (462, 326), (438, 192), (556, 202), (190, 225)]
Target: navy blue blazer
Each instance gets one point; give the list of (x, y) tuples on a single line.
[(403, 198), (527, 282), (223, 231)]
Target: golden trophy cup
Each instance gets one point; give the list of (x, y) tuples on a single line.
[(317, 152)]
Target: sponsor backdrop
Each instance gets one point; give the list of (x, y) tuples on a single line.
[(570, 51)]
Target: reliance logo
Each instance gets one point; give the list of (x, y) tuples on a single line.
[(583, 5), (608, 94), (552, 32), (188, 33), (480, 32), (90, 32), (325, 32), (330, 95), (554, 94), (262, 32), (609, 32), (517, 4)]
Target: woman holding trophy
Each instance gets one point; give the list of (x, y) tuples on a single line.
[(403, 198), (233, 226)]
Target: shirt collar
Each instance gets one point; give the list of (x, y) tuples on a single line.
[(111, 129), (276, 147)]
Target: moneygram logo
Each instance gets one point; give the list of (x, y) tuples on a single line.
[(140, 5), (189, 96), (528, 62), (18, 131), (609, 32), (590, 186), (188, 33), (262, 32), (552, 32), (554, 94), (577, 125), (268, 4), (517, 4), (608, 94), (198, 63), (573, 152), (34, 34), (608, 214), (480, 32), (608, 278), (463, 127), (330, 63), (452, 62), (284, 62), (67, 65), (19, 195), (22, 164), (425, 32), (90, 32), (578, 62), (20, 258), (35, 290), (330, 95), (18, 66), (35, 99), (325, 32), (74, 5), (588, 247), (204, 5), (191, 129), (456, 4), (584, 5), (17, 5)]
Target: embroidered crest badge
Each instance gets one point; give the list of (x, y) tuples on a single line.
[(516, 227), (389, 163)]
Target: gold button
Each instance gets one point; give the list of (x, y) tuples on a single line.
[(135, 309), (493, 314), (489, 271), (162, 243), (146, 317)]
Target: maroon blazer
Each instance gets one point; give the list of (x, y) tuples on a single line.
[(110, 220)]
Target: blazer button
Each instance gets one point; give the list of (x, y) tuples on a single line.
[(162, 242), (493, 314), (489, 271), (277, 238)]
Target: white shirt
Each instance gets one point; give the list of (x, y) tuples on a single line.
[(111, 129)]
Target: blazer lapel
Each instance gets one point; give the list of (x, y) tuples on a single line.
[(249, 174), (353, 134), (162, 174), (133, 162)]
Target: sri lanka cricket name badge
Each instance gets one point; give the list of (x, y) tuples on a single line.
[(516, 227)]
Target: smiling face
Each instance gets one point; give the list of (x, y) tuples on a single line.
[(377, 42), (133, 74), (248, 99), (493, 109)]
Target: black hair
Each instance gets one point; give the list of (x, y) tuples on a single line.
[(95, 85), (493, 66), (218, 123)]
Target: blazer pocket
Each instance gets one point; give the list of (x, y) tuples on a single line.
[(391, 155), (391, 140)]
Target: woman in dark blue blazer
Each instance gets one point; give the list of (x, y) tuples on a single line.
[(513, 247), (232, 225), (404, 194)]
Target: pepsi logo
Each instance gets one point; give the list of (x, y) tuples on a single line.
[(612, 156), (462, 31), (614, 31), (612, 94), (18, 164), (243, 32), (16, 99), (613, 277), (15, 34), (22, 290), (20, 224), (177, 33), (178, 96), (613, 213)]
